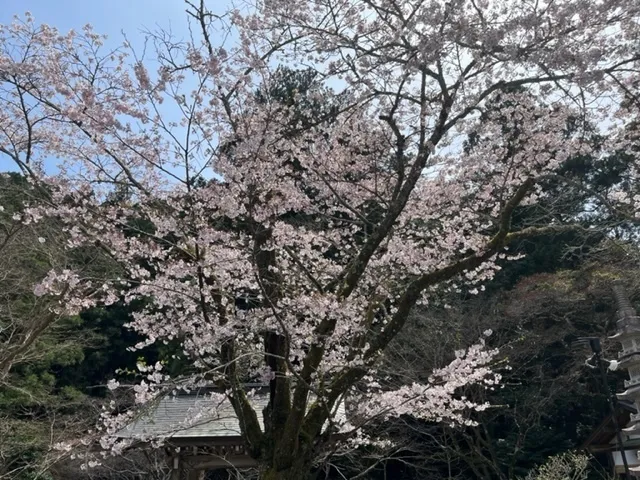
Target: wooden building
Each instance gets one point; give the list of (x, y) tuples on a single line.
[(200, 432)]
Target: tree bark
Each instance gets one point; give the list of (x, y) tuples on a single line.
[(298, 471)]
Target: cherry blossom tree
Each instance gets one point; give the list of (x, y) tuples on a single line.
[(32, 326), (275, 241), (36, 335)]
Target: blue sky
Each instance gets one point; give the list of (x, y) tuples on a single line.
[(107, 16)]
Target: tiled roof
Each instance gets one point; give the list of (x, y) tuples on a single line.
[(197, 415)]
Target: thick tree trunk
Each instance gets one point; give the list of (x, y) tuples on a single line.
[(295, 472)]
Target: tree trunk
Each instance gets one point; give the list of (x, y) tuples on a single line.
[(298, 471)]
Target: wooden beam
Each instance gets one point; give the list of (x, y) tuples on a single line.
[(209, 462)]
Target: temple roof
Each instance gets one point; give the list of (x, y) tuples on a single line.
[(197, 415)]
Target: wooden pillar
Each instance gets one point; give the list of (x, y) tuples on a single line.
[(175, 466)]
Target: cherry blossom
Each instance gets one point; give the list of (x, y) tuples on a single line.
[(275, 243)]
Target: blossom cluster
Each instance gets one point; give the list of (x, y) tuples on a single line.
[(239, 214)]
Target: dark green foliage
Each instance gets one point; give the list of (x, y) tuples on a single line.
[(549, 402)]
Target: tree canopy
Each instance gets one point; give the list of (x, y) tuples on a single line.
[(289, 235)]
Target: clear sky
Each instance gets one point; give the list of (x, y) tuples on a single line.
[(108, 17)]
